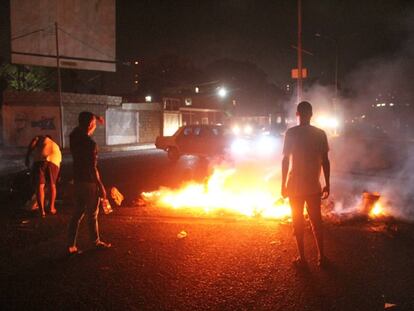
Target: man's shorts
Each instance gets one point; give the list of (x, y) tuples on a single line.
[(45, 171), (313, 207)]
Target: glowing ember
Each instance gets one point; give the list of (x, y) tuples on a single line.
[(248, 191)]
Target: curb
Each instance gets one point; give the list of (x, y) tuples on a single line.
[(12, 159)]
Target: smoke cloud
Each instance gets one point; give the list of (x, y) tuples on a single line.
[(374, 150)]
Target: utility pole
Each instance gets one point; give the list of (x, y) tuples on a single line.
[(336, 70), (59, 83), (299, 86)]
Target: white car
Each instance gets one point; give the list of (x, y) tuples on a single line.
[(201, 140)]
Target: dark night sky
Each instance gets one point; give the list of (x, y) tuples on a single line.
[(258, 31), (263, 31)]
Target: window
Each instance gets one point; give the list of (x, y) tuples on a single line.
[(188, 131), (215, 131), (197, 131)]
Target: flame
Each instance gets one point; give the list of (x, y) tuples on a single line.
[(377, 211), (246, 191)]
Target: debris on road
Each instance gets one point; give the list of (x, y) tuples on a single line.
[(116, 196), (31, 204), (106, 206), (182, 234), (140, 202), (389, 305), (368, 201), (275, 243)]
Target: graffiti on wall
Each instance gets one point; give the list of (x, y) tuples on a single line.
[(22, 123), (45, 123)]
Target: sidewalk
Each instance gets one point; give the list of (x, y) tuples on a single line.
[(12, 158)]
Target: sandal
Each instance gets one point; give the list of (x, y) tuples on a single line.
[(73, 250), (102, 245)]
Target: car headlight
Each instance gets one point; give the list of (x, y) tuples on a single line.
[(236, 130), (266, 145), (248, 129), (240, 146)]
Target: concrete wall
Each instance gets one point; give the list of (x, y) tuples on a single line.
[(24, 115), (22, 123), (150, 118), (149, 126), (70, 115), (74, 103)]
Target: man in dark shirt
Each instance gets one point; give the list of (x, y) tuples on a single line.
[(88, 184)]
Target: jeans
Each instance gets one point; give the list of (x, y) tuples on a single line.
[(86, 203)]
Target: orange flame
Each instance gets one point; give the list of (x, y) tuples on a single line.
[(229, 190), (377, 211)]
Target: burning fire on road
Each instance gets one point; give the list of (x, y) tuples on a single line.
[(377, 211), (248, 190), (245, 191), (372, 206)]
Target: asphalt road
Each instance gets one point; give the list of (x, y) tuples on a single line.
[(222, 264), (144, 170)]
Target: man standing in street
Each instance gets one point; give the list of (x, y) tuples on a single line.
[(305, 152), (88, 184), (46, 163)]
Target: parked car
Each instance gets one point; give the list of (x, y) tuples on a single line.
[(201, 140)]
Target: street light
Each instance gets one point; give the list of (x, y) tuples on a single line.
[(222, 92)]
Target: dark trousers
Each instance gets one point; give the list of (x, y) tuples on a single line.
[(86, 203)]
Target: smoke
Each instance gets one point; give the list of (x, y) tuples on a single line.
[(321, 98), (379, 143), (374, 150), (390, 75), (399, 188)]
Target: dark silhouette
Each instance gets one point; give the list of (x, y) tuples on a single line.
[(305, 151), (88, 184)]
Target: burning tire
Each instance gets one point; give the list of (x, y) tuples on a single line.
[(173, 154)]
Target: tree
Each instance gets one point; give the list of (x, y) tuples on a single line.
[(27, 78), (248, 86), (242, 74), (168, 70)]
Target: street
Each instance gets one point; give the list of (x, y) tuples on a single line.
[(188, 139), (225, 263)]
